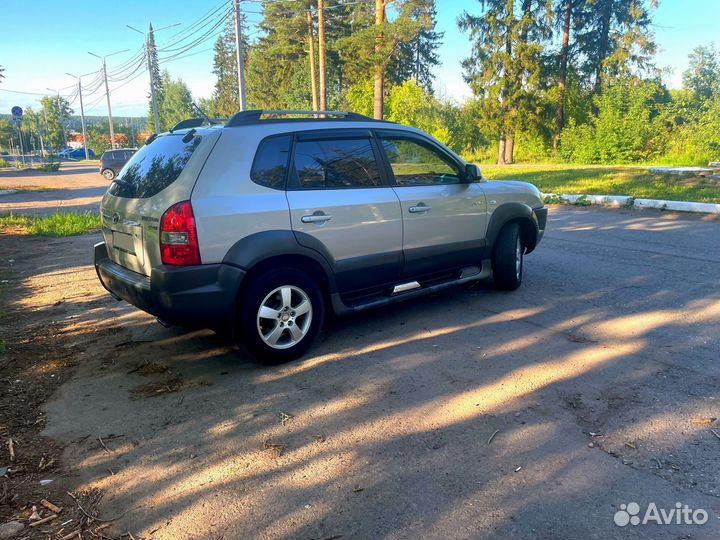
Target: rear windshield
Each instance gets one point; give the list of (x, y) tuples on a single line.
[(154, 167)]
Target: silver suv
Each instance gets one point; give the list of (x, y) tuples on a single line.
[(260, 225)]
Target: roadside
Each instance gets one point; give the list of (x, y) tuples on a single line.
[(75, 188), (476, 414), (636, 182)]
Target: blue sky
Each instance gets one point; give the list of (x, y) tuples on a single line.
[(41, 40)]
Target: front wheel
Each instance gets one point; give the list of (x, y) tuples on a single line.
[(280, 315), (507, 260), (109, 174)]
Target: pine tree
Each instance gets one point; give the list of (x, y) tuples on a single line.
[(157, 82), (505, 65), (416, 58), (225, 97), (614, 39)]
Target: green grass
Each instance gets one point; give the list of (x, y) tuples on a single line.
[(608, 180), (55, 225), (4, 163)]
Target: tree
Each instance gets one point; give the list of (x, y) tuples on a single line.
[(226, 101), (2, 73), (156, 80), (614, 39), (177, 101), (505, 65), (415, 59), (702, 77), (55, 118)]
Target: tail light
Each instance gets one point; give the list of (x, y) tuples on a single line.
[(178, 236)]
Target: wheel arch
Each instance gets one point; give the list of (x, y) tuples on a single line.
[(514, 212)]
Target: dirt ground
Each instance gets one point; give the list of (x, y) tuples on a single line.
[(468, 414), (75, 187)]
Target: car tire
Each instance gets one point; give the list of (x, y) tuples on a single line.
[(109, 174), (270, 325), (507, 259)]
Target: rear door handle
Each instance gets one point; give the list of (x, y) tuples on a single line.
[(316, 218), (420, 209)]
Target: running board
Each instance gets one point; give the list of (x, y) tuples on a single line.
[(404, 287), (412, 289)]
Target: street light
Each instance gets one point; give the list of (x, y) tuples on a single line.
[(107, 91), (156, 115), (82, 110)]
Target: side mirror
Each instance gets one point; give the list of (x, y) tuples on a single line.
[(472, 173)]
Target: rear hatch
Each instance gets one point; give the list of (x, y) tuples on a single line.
[(159, 175)]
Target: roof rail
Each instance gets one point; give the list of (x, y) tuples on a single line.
[(245, 118)]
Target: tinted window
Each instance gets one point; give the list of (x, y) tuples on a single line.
[(270, 165), (154, 167), (415, 163), (342, 163)]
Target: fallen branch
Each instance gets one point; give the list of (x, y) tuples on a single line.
[(11, 449), (95, 518), (103, 445), (715, 433), (50, 506), (70, 535), (43, 520), (493, 435)]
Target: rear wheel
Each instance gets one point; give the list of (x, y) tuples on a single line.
[(280, 315), (507, 258), (109, 174)]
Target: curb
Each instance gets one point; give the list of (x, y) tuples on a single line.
[(8, 191), (625, 201)]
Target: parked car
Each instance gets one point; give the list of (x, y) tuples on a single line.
[(262, 225), (75, 154), (113, 160)]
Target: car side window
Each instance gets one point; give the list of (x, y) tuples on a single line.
[(415, 163), (269, 168), (336, 163)]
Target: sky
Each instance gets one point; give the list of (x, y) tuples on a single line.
[(42, 40)]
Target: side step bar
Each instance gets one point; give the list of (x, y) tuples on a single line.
[(412, 289)]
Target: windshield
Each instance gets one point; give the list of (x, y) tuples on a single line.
[(154, 167)]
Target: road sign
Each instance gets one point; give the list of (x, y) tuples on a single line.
[(17, 114)]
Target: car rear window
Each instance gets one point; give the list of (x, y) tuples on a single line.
[(154, 167)]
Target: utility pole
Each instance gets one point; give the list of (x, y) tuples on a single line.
[(59, 107), (107, 92), (240, 55), (311, 45), (379, 98), (321, 53), (149, 55), (82, 114)]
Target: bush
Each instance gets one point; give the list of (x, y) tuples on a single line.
[(49, 167), (4, 163)]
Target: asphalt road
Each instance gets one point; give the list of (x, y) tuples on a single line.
[(74, 188), (469, 414)]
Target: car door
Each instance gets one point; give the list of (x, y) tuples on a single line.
[(341, 205), (444, 218)]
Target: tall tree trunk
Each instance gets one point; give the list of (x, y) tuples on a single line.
[(321, 53), (501, 150), (510, 147), (564, 52), (378, 100), (604, 39), (311, 46)]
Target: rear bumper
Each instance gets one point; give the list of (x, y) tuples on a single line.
[(201, 295)]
